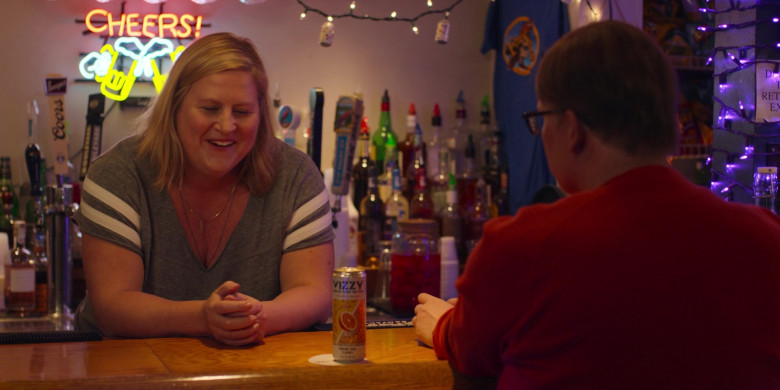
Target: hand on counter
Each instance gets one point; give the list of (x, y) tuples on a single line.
[(427, 314), (234, 318)]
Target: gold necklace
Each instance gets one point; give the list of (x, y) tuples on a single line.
[(229, 206), (201, 221)]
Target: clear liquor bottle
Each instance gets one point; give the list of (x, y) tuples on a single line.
[(20, 276), (396, 206), (385, 180), (467, 179), (371, 222), (434, 147), (439, 183), (476, 217), (456, 141), (7, 198), (422, 204), (418, 161), (450, 218)]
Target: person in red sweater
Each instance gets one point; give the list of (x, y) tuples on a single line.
[(638, 279)]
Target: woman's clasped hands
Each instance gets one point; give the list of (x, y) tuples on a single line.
[(234, 318)]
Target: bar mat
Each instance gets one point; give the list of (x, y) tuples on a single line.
[(372, 325), (55, 336)]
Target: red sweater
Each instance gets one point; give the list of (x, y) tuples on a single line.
[(646, 282)]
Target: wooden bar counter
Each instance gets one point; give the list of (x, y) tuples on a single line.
[(394, 360)]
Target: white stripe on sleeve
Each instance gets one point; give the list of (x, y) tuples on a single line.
[(112, 201), (312, 227), (110, 223)]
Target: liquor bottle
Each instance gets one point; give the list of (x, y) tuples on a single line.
[(371, 222), (765, 187), (485, 130), (7, 198), (501, 198), (456, 142), (396, 206), (42, 279), (385, 180), (360, 170), (406, 148), (20, 276), (476, 217), (422, 204), (450, 218), (434, 147), (36, 169), (467, 178), (489, 149), (418, 161), (439, 183), (383, 136)]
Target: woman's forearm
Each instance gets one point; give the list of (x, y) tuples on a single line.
[(297, 309), (138, 314)]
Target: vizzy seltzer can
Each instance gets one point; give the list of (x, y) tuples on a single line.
[(349, 314)]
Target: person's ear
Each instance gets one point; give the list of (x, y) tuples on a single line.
[(575, 132)]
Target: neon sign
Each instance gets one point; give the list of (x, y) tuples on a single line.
[(116, 84), (133, 25), (104, 66)]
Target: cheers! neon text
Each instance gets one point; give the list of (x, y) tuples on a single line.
[(152, 25)]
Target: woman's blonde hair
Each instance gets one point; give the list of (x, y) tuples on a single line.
[(208, 55)]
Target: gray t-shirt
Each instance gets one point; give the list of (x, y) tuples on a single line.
[(121, 205)]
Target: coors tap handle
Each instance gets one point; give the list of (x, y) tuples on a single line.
[(59, 203), (349, 114)]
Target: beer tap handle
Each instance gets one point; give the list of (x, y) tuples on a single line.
[(32, 155)]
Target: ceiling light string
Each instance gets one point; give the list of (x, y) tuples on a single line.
[(328, 28)]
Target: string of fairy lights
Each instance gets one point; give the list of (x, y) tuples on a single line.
[(328, 27), (736, 60)]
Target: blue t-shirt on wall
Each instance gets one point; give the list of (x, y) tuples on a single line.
[(520, 32)]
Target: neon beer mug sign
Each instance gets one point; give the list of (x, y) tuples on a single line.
[(128, 29)]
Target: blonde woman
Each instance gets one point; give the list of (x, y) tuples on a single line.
[(204, 224)]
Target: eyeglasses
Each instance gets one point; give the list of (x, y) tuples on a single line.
[(534, 119)]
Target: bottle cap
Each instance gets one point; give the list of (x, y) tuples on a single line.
[(411, 117)]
